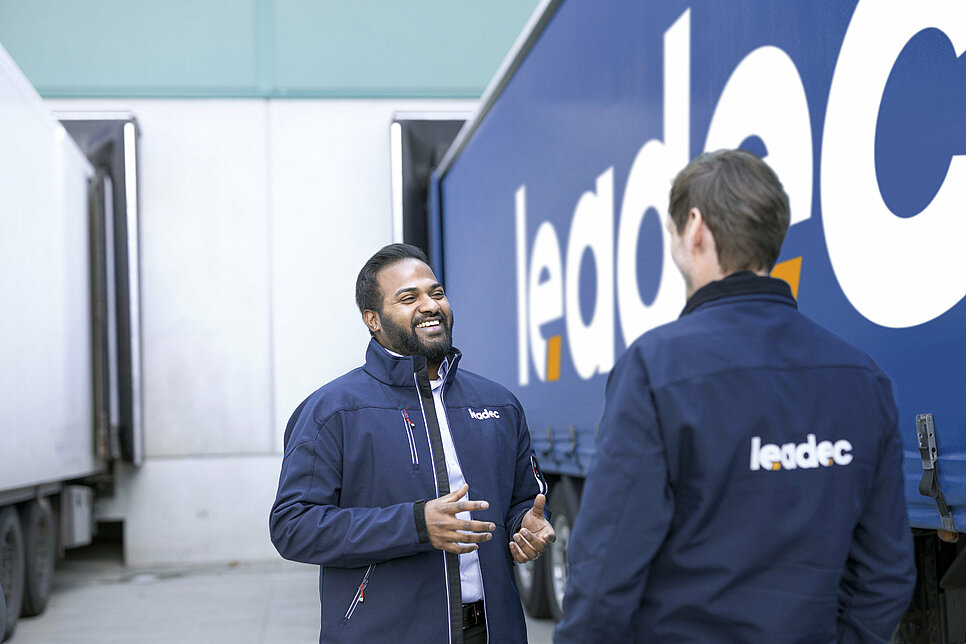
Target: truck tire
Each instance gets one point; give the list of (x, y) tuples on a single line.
[(3, 614), (531, 584), (40, 553), (563, 507), (11, 567)]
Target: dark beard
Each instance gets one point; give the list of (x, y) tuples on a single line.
[(404, 340)]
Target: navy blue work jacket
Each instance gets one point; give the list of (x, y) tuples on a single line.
[(747, 486), (358, 466)]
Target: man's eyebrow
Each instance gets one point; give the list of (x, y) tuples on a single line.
[(405, 289)]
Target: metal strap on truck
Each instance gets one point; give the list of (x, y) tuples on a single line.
[(929, 485)]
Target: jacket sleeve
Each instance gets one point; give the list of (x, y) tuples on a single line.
[(528, 481), (625, 513), (880, 573), (307, 523)]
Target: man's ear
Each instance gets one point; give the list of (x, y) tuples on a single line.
[(371, 318), (694, 228), (699, 238)]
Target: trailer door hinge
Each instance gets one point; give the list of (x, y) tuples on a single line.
[(929, 485), (572, 452), (548, 451)]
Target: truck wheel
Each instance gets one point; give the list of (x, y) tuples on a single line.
[(11, 567), (40, 555), (531, 583), (563, 506), (3, 614)]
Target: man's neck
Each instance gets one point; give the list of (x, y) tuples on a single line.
[(715, 275)]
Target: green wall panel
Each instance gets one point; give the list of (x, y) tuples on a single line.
[(271, 48), (423, 47), (110, 47)]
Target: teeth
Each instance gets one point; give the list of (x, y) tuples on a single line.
[(428, 323)]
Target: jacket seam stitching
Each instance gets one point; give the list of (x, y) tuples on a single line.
[(722, 372)]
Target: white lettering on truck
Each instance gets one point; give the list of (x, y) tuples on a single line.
[(896, 272), (764, 97)]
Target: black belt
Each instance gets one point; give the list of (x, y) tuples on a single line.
[(473, 614)]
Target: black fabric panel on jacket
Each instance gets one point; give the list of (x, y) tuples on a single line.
[(442, 483)]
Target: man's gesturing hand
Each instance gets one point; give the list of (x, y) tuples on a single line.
[(451, 533), (534, 535)]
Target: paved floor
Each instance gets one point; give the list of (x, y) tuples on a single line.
[(98, 600)]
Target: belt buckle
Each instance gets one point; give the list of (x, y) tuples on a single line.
[(471, 615)]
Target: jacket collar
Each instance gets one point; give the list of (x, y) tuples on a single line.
[(389, 369), (740, 283)]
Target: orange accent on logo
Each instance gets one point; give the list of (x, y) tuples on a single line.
[(790, 271), (776, 466), (553, 357)]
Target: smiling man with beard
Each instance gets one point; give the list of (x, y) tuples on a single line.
[(384, 466)]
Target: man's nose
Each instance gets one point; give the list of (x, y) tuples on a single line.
[(428, 304)]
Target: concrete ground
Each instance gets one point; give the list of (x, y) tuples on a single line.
[(96, 599)]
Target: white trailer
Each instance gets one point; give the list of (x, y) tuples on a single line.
[(65, 354)]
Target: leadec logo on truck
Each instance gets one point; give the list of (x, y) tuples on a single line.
[(872, 252)]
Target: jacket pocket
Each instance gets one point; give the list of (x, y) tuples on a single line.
[(408, 424), (360, 595)]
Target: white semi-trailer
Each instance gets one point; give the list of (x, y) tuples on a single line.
[(68, 285)]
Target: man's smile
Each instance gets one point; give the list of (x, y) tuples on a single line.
[(431, 326)]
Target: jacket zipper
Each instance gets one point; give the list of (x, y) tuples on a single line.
[(360, 595), (414, 455), (449, 634), (442, 391)]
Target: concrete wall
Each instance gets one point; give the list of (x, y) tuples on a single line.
[(256, 216)]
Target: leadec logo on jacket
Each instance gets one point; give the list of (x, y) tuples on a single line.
[(483, 415), (807, 455)]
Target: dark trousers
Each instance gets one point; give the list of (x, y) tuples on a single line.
[(475, 634)]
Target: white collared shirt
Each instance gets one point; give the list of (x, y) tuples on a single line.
[(471, 580)]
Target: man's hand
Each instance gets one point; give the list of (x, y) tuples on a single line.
[(452, 534), (534, 535)]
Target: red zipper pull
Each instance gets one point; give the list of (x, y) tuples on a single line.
[(362, 590)]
